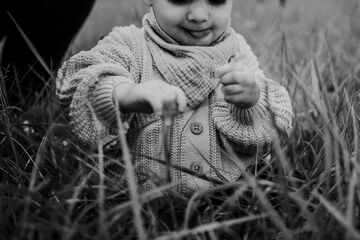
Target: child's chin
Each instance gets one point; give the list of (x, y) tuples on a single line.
[(198, 42)]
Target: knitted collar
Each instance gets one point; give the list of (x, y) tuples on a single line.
[(189, 67)]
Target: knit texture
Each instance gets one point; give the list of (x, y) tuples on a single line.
[(128, 54)]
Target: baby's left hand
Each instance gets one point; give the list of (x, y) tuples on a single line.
[(239, 85)]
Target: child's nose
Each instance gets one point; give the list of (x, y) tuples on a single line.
[(198, 12)]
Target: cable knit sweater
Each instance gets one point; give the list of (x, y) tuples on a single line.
[(129, 54)]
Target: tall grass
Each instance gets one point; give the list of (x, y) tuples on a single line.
[(53, 188)]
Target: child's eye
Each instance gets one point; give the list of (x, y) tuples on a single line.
[(180, 2), (212, 2), (217, 2)]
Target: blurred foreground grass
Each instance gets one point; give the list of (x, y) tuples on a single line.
[(53, 188)]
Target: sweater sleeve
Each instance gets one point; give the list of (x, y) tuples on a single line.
[(270, 118), (86, 81)]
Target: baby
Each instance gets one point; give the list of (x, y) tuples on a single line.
[(186, 56)]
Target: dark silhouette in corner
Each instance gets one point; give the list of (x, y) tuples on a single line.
[(50, 25)]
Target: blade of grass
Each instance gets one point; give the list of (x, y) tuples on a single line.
[(350, 202), (31, 46), (203, 192), (263, 199), (34, 174), (130, 173), (8, 134), (101, 193), (184, 169), (338, 216), (210, 227), (115, 213)]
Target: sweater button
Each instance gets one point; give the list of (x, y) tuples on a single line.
[(196, 128), (196, 167)]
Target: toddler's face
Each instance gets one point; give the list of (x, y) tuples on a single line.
[(193, 22)]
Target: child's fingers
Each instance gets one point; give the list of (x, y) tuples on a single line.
[(230, 66), (234, 77), (235, 98), (169, 102), (239, 100), (232, 89), (157, 106), (236, 58), (165, 99), (181, 99), (221, 71)]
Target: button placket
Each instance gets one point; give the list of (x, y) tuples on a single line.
[(197, 146)]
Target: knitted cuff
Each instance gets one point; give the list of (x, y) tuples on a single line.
[(102, 99), (274, 106), (256, 126), (246, 115)]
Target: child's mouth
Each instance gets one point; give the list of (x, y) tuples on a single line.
[(198, 34)]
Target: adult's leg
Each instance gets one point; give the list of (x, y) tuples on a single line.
[(2, 21), (50, 26)]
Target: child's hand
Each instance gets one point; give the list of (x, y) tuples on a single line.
[(239, 85), (149, 97)]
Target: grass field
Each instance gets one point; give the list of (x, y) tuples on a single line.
[(51, 187)]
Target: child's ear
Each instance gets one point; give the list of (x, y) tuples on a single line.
[(148, 2)]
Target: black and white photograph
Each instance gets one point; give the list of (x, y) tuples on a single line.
[(179, 119)]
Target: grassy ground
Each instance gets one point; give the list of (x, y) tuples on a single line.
[(53, 188)]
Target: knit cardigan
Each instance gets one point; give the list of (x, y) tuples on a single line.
[(135, 55)]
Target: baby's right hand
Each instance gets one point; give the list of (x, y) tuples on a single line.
[(149, 97)]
